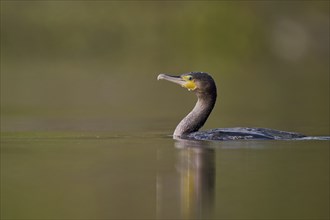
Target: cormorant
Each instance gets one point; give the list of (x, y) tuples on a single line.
[(203, 85)]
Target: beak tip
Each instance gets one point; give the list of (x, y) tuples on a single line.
[(160, 76)]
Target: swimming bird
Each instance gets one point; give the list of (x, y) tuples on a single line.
[(204, 87)]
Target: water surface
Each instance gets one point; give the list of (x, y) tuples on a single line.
[(150, 176)]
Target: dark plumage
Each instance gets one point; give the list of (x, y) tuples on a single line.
[(203, 85)]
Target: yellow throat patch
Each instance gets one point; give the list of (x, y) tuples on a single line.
[(189, 84)]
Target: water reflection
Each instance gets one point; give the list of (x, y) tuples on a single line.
[(197, 179), (190, 193)]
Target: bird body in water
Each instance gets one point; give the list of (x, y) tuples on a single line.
[(203, 85)]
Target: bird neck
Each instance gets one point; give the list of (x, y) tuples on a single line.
[(198, 116)]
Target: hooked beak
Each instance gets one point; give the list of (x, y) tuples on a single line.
[(183, 81), (174, 79)]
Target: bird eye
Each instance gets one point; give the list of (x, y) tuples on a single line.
[(190, 78)]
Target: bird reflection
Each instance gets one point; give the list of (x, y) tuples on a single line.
[(188, 192), (197, 179)]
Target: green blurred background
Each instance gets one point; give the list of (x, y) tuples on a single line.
[(92, 65)]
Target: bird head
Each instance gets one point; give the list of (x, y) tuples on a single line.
[(198, 82)]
